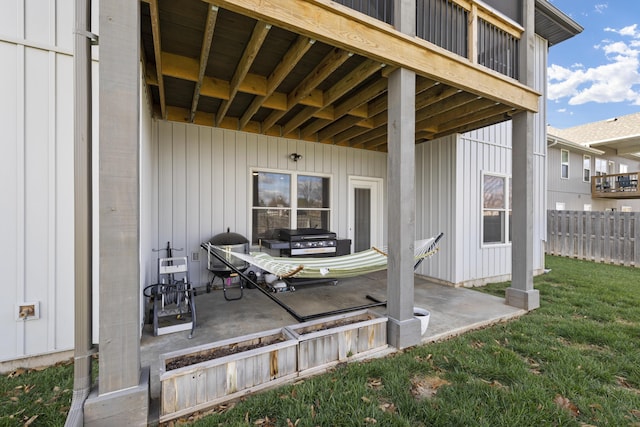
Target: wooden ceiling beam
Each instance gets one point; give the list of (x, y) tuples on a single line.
[(185, 68), (426, 114), (474, 118), (251, 51), (338, 126), (356, 105), (157, 49), (500, 116), (434, 95), (344, 85), (282, 70), (452, 114), (212, 15), (327, 66)]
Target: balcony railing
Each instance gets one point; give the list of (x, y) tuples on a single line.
[(467, 28), (615, 186)]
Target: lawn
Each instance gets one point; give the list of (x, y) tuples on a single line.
[(575, 361)]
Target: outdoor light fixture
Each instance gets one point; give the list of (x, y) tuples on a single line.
[(295, 156)]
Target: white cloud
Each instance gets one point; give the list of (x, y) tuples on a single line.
[(601, 7), (618, 80), (631, 31)]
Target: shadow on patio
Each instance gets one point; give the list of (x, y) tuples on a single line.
[(453, 311)]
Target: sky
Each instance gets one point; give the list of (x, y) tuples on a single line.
[(595, 75)]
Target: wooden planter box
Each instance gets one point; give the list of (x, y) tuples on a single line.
[(235, 367), (328, 341)]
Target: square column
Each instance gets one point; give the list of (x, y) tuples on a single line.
[(521, 293), (122, 397), (403, 327)]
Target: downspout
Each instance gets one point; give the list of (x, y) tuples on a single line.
[(82, 211)]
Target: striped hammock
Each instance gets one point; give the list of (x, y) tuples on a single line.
[(350, 265)]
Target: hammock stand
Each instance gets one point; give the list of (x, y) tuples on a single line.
[(431, 248)]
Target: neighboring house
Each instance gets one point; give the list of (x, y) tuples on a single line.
[(595, 166), (211, 104)]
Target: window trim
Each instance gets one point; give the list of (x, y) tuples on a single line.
[(584, 169), (567, 163), (293, 209), (508, 180)]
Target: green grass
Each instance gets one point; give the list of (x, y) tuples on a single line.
[(575, 361)]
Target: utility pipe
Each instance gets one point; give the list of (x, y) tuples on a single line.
[(83, 213)]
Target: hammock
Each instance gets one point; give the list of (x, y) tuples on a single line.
[(351, 265)]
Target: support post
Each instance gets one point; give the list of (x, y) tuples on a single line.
[(521, 293), (122, 397), (403, 329)]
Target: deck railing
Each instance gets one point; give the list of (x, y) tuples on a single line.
[(468, 28), (615, 186)]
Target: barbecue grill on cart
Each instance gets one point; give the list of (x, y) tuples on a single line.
[(220, 244)]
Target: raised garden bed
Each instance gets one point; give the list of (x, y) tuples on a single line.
[(199, 377), (328, 341)]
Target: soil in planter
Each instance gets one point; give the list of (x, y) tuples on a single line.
[(216, 353), (333, 324)]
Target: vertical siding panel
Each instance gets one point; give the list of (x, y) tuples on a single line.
[(217, 189), (37, 21), (12, 170), (241, 196), (165, 184), (228, 182), (179, 201), (192, 205), (64, 23), (38, 207), (64, 200), (9, 20), (205, 199)]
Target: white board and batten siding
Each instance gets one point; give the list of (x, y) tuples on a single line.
[(449, 175), (36, 118), (202, 183)]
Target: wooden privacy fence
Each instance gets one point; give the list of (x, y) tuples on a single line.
[(610, 237)]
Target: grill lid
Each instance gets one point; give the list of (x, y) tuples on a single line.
[(228, 238)]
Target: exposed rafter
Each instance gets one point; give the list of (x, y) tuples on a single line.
[(212, 15), (331, 62), (297, 51), (157, 49), (251, 51), (351, 80)]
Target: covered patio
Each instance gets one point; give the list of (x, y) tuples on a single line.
[(452, 312), (314, 72)]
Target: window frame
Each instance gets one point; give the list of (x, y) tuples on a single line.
[(563, 163), (293, 203), (601, 166), (585, 169), (507, 209)]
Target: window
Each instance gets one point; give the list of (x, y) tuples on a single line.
[(587, 207), (601, 167), (286, 200), (611, 167), (496, 209), (624, 168), (625, 209), (564, 164), (586, 175), (560, 206)]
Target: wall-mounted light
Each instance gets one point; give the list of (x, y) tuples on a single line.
[(295, 156)]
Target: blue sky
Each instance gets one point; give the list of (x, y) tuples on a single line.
[(595, 75)]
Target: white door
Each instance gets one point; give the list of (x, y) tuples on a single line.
[(365, 213)]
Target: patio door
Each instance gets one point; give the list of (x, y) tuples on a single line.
[(365, 213)]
